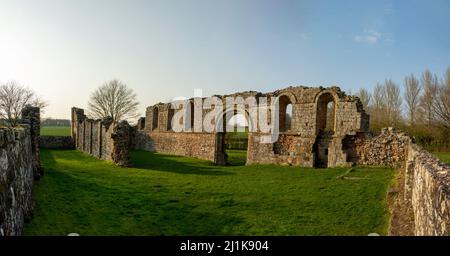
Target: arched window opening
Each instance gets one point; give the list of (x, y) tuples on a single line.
[(192, 112), (155, 118), (285, 113), (330, 117), (238, 122), (170, 114), (326, 113)]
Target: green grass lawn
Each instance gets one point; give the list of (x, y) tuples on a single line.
[(172, 195), (55, 130), (444, 156)]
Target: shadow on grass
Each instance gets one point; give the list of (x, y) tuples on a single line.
[(92, 204), (175, 164)]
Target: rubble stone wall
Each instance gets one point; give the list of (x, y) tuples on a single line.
[(427, 189), (19, 167), (298, 143), (101, 138), (389, 148), (16, 179), (56, 142), (199, 145)]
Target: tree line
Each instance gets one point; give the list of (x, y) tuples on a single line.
[(422, 109)]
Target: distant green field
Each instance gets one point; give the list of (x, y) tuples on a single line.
[(444, 156), (237, 140), (55, 130)]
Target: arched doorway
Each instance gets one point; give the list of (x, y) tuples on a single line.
[(234, 137), (325, 128), (155, 117)]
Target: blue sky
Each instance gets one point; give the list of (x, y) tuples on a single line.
[(164, 49)]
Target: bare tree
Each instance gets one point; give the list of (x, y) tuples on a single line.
[(441, 104), (412, 97), (13, 98), (430, 88), (113, 99), (378, 109), (365, 97), (393, 102)]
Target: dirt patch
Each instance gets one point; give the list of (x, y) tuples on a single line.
[(402, 218)]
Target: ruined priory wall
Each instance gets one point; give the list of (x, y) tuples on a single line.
[(101, 138), (16, 179), (198, 145), (386, 149), (289, 149), (56, 142), (19, 167), (427, 189)]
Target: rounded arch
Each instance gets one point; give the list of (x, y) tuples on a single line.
[(170, 115), (286, 103), (221, 121), (326, 102), (155, 118)]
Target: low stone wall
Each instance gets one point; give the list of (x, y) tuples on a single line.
[(290, 149), (427, 189), (102, 138), (198, 145), (141, 141), (56, 142), (389, 148)]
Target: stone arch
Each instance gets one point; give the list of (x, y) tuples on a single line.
[(326, 116), (221, 119), (170, 114), (191, 114), (222, 135), (286, 107), (155, 118)]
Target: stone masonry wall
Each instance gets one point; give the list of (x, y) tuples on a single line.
[(427, 190), (56, 142), (386, 149), (426, 187), (16, 179), (102, 138), (199, 145), (298, 143), (19, 167)]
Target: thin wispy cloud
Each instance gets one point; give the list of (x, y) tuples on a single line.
[(369, 36)]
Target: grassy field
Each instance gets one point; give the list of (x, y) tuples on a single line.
[(444, 156), (172, 195), (55, 130)]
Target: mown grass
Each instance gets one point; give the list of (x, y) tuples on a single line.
[(444, 156), (172, 195), (55, 130)]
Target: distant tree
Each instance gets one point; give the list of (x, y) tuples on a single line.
[(378, 109), (412, 97), (13, 98), (365, 97), (393, 102), (430, 88), (113, 99)]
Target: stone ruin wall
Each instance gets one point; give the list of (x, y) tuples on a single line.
[(426, 184), (304, 143), (427, 191), (19, 167), (56, 142), (101, 138)]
